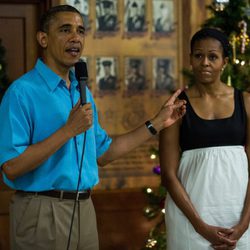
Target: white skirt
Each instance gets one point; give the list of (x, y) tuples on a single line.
[(216, 180)]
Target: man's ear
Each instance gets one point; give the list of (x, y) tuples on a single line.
[(42, 39)]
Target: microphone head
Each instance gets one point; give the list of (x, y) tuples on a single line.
[(81, 71)]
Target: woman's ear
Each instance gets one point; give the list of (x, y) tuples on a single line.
[(190, 59), (225, 63), (42, 39), (226, 59)]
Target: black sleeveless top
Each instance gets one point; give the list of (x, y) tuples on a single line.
[(196, 132)]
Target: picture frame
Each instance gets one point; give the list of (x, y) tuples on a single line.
[(163, 74), (163, 17), (106, 74), (135, 18), (122, 109), (106, 16), (135, 74), (83, 7)]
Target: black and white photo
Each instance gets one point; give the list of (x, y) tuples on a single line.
[(134, 18), (163, 16), (83, 7), (106, 15), (106, 73), (162, 72), (135, 74)]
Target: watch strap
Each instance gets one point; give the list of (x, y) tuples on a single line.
[(150, 127)]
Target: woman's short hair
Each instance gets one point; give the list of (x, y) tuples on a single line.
[(212, 33)]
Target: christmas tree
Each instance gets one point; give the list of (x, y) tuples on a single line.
[(4, 82), (155, 210), (232, 17)]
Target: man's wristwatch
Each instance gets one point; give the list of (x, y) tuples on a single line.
[(150, 127)]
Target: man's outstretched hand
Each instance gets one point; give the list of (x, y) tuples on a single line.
[(171, 111)]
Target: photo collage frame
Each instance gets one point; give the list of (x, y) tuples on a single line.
[(129, 19), (137, 80), (111, 16), (133, 50)]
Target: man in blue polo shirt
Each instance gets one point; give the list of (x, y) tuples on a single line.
[(41, 142)]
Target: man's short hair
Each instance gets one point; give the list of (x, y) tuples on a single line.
[(51, 14)]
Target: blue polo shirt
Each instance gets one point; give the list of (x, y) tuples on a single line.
[(35, 106)]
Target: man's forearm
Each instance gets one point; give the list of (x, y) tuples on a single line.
[(123, 144), (35, 154)]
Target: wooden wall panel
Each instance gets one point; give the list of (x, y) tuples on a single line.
[(119, 212), (120, 219), (15, 47), (18, 34), (18, 21), (4, 219)]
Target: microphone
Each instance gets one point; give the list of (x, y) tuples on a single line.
[(81, 73)]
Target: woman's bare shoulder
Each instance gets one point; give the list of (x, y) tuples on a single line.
[(246, 96)]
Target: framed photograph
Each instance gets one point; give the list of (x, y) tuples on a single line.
[(135, 16), (163, 79), (83, 7), (106, 73), (163, 17), (135, 74), (106, 16)]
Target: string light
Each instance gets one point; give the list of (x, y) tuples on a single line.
[(220, 4), (152, 156), (229, 82), (233, 42), (151, 243)]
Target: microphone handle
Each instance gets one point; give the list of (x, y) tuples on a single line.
[(82, 87)]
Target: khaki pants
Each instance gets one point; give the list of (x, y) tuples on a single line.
[(43, 223)]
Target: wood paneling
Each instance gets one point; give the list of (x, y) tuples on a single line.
[(18, 21), (121, 223), (4, 219), (18, 32), (120, 219)]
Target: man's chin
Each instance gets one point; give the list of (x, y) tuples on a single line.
[(73, 62)]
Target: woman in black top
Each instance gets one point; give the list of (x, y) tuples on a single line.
[(204, 157)]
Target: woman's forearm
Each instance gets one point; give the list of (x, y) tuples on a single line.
[(183, 202)]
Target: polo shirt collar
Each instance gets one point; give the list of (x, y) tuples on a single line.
[(50, 77), (72, 77)]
